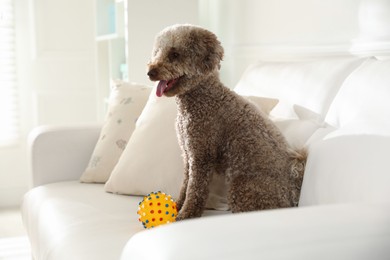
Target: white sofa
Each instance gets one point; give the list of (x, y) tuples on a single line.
[(338, 107)]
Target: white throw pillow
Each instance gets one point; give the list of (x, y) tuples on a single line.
[(262, 103), (152, 159), (125, 105), (298, 131)]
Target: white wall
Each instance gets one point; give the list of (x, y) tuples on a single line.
[(56, 79), (145, 19), (290, 29)]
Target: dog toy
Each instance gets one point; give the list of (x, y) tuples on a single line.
[(157, 208)]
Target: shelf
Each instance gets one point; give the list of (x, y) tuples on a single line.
[(109, 18), (107, 37), (111, 48)]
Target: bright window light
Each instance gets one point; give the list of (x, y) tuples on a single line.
[(9, 116)]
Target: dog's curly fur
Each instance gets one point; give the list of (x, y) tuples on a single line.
[(219, 131)]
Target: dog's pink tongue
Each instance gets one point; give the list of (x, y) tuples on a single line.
[(162, 85)]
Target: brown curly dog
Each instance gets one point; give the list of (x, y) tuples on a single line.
[(219, 131)]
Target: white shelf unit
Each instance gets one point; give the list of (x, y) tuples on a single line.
[(110, 16), (111, 42)]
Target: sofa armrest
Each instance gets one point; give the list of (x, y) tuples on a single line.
[(350, 231), (61, 153)]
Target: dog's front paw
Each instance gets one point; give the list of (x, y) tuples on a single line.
[(181, 216), (186, 214), (179, 205)]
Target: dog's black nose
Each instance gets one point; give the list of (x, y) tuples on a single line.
[(152, 73)]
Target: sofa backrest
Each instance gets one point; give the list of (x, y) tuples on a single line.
[(347, 101), (352, 162), (310, 84)]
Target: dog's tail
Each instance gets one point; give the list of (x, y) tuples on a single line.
[(298, 159), (298, 163)]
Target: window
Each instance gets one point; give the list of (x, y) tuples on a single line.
[(9, 123)]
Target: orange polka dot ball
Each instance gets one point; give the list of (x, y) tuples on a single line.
[(157, 208)]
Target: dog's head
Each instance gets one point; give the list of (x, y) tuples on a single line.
[(183, 55)]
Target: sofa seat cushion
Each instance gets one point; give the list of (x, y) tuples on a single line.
[(93, 223)]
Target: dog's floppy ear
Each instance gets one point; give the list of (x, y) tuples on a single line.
[(215, 53), (208, 44)]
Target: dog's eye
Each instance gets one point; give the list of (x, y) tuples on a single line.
[(174, 55)]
